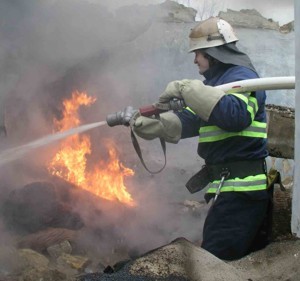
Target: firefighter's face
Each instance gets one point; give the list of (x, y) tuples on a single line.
[(201, 61)]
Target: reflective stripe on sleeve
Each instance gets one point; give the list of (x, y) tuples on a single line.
[(250, 101), (213, 133)]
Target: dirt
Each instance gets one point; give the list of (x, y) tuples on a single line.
[(278, 261)]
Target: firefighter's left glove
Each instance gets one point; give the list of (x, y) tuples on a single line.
[(200, 98), (167, 127)]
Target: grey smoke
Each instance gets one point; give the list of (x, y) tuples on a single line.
[(49, 49)]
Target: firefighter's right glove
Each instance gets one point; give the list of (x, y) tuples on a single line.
[(200, 98), (167, 127)]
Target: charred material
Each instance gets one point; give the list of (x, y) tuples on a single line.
[(36, 207)]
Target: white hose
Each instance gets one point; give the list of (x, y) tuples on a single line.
[(269, 83)]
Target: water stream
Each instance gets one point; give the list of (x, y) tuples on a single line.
[(17, 152)]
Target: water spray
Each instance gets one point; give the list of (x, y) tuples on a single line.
[(17, 152), (117, 118)]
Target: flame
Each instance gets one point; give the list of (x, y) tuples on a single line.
[(70, 162)]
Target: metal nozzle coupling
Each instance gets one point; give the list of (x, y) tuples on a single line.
[(177, 104), (120, 117), (123, 117)]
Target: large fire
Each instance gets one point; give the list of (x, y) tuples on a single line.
[(70, 162)]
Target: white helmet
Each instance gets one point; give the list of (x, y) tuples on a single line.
[(211, 33)]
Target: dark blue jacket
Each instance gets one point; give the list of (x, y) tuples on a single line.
[(231, 115)]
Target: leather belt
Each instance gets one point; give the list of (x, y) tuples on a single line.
[(237, 169)]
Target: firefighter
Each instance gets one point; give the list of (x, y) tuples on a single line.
[(232, 141)]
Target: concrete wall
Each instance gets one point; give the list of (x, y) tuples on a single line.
[(296, 191)]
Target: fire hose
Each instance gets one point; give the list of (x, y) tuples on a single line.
[(250, 85)]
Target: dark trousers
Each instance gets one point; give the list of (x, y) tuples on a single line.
[(237, 224)]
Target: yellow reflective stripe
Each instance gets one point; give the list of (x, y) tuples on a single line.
[(251, 183), (244, 96), (252, 107), (213, 133), (251, 102), (189, 109)]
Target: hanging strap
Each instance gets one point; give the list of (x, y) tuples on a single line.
[(139, 152)]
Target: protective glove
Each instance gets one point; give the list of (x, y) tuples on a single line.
[(167, 127), (172, 91), (200, 98)]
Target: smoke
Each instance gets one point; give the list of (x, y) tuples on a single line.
[(121, 56), (49, 49)]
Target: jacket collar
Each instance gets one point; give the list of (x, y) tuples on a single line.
[(214, 73)]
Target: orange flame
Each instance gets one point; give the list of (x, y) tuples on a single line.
[(105, 180)]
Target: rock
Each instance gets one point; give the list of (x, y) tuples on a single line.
[(171, 11), (76, 262), (10, 261), (180, 260), (36, 266), (278, 261), (57, 250), (32, 259), (42, 240), (287, 28), (249, 19), (42, 274), (168, 11), (4, 278)]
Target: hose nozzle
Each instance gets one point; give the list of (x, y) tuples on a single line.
[(121, 117)]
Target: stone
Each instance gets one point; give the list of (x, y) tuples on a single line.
[(287, 28), (42, 240), (32, 259), (76, 262), (43, 275), (249, 19), (57, 250)]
